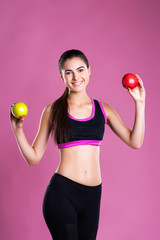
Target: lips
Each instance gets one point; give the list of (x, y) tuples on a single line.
[(77, 83)]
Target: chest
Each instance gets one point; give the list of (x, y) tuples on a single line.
[(80, 112)]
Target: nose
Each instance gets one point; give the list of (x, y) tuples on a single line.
[(75, 76)]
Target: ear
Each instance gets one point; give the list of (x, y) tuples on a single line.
[(89, 70), (62, 77)]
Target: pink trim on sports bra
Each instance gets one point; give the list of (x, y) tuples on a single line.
[(85, 119), (79, 142), (102, 108)]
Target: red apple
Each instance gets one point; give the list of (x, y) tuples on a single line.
[(130, 80)]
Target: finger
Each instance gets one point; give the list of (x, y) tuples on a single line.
[(138, 77), (10, 111), (13, 104), (11, 108), (140, 80), (12, 118), (130, 90), (141, 83)]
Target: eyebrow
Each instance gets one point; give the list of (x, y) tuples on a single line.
[(71, 70)]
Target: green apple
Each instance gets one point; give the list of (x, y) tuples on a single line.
[(19, 109)]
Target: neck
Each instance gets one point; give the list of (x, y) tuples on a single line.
[(78, 97)]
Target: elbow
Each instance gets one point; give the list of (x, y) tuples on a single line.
[(33, 163), (34, 160), (137, 145)]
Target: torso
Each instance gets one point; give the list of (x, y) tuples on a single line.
[(81, 163)]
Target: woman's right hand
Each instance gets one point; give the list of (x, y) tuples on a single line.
[(16, 123), (32, 153)]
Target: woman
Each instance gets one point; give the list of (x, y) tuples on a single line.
[(71, 203)]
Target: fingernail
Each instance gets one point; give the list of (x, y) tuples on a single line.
[(21, 117)]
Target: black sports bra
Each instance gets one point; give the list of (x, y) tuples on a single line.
[(88, 130)]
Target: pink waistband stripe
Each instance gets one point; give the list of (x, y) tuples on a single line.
[(80, 142)]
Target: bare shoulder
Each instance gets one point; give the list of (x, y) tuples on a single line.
[(105, 105), (111, 114), (48, 107), (46, 111), (107, 108)]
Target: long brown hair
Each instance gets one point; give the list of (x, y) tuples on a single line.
[(59, 120)]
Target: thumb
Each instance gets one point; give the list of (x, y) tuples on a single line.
[(130, 91)]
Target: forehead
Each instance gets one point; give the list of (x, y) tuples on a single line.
[(73, 63)]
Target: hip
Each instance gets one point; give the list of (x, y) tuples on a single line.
[(87, 174), (64, 184)]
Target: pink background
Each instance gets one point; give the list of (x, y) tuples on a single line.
[(117, 37)]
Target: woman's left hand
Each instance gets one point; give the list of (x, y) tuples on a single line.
[(138, 93)]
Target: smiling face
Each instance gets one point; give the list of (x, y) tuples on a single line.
[(75, 74)]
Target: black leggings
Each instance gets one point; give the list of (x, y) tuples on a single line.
[(71, 210)]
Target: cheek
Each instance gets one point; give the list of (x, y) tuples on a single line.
[(85, 75), (68, 78)]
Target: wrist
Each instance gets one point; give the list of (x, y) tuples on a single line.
[(18, 131), (140, 106), (140, 103)]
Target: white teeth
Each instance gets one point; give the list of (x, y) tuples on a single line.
[(77, 83)]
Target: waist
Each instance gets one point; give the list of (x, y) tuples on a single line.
[(93, 179), (59, 179), (81, 164)]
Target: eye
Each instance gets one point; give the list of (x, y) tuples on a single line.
[(81, 70), (67, 73)]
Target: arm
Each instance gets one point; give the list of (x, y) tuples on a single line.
[(133, 138), (32, 153)]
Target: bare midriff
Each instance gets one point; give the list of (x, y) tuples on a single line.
[(81, 164)]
